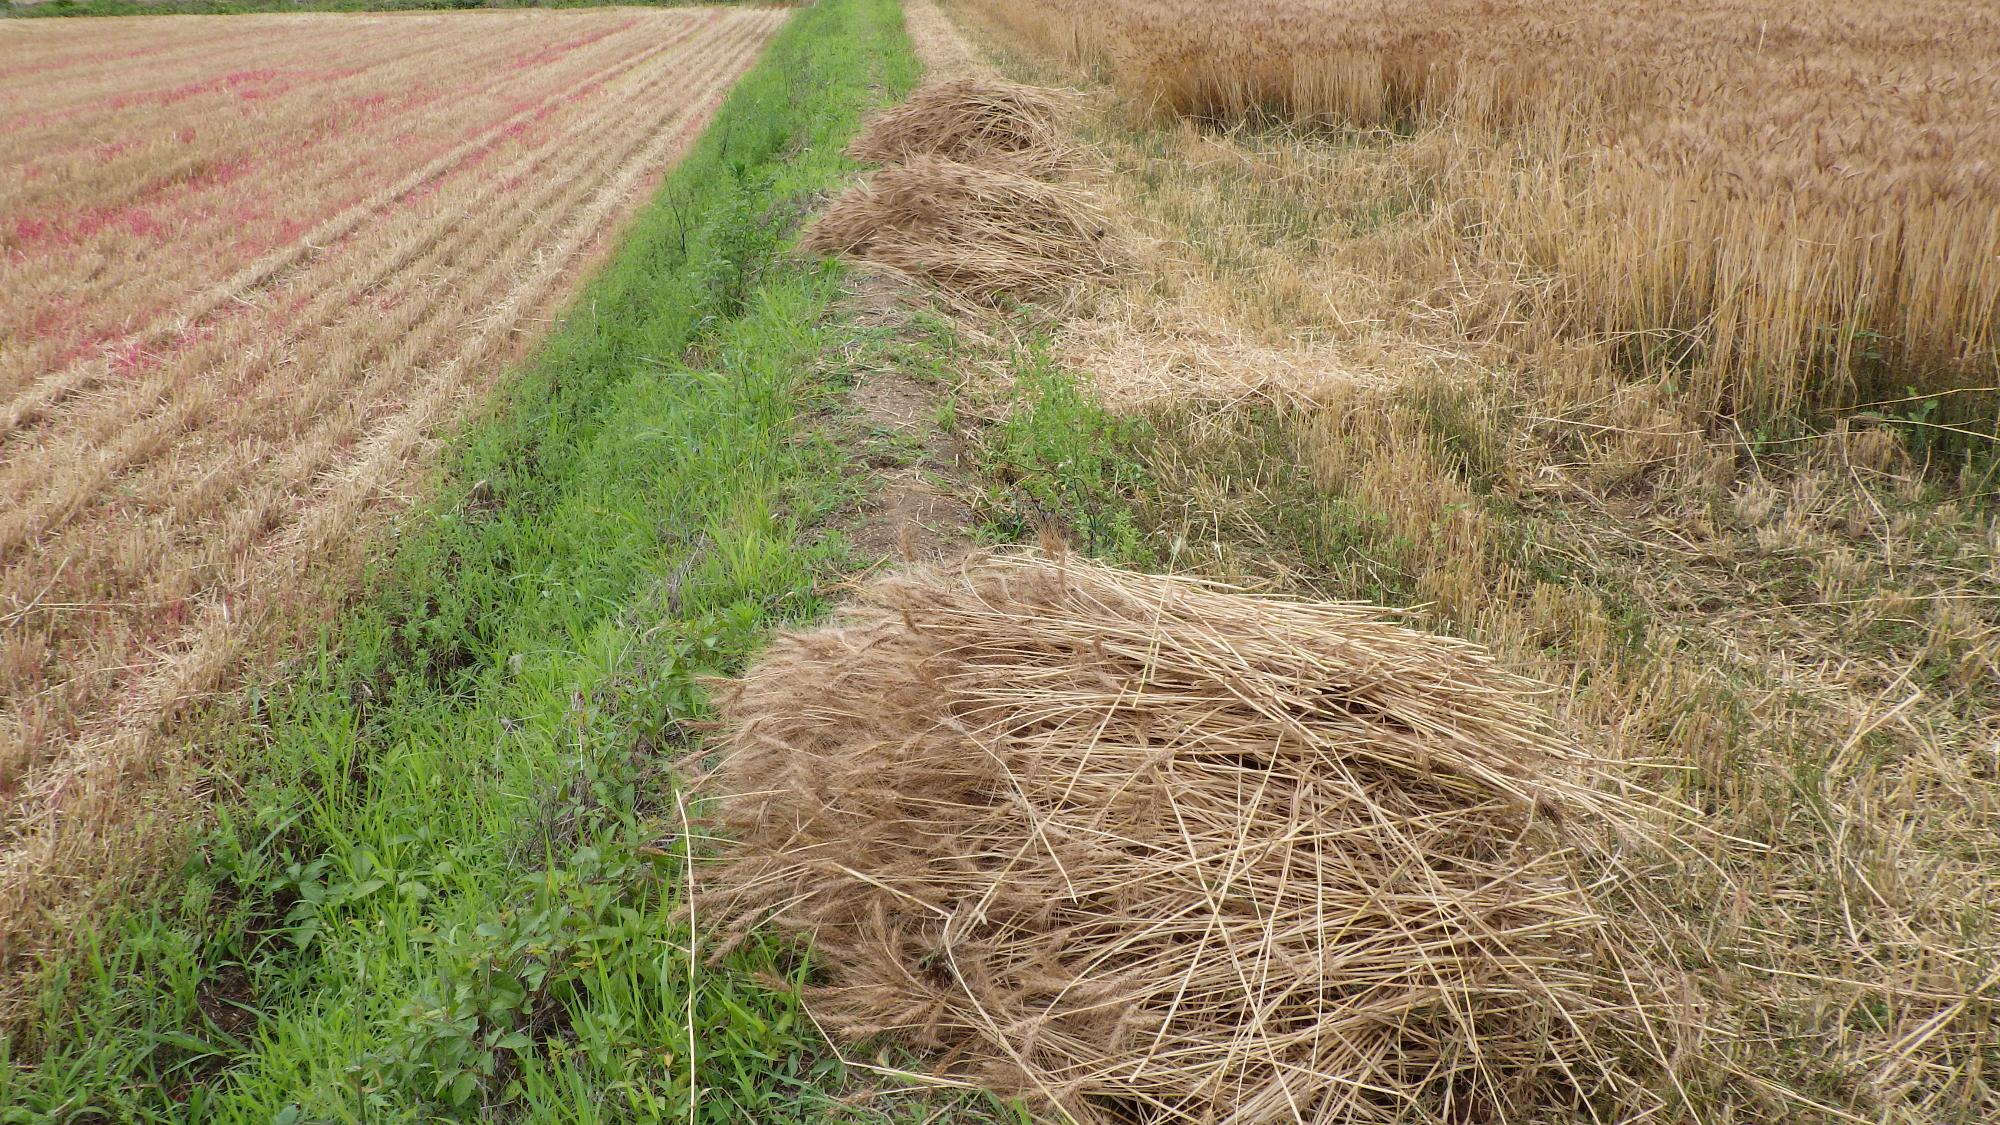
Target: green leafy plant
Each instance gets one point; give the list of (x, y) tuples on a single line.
[(1060, 459)]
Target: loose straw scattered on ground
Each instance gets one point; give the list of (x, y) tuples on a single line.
[(1151, 849)]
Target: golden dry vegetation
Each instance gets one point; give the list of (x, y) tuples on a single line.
[(1781, 204), (253, 268), (1146, 848), (1352, 380)]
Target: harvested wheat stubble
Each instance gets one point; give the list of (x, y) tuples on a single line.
[(979, 234), (943, 51), (972, 121), (243, 328), (1153, 849)]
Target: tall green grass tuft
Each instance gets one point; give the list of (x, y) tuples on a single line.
[(1060, 460)]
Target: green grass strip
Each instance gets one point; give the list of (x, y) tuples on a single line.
[(446, 891)]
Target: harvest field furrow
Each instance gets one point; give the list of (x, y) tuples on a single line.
[(100, 430), (376, 454), (337, 176), (231, 426), (338, 285), (108, 356), (282, 418), (335, 280)]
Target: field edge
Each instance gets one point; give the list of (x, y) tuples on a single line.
[(444, 882)]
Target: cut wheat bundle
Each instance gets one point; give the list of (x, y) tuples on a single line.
[(979, 234), (972, 121), (1147, 849)]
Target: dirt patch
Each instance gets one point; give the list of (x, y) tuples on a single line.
[(912, 519), (228, 1000), (916, 514), (891, 398)]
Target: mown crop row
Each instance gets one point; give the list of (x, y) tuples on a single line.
[(351, 228), (1781, 205)]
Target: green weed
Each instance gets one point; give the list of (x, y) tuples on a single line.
[(1060, 459)]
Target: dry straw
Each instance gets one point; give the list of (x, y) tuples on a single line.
[(1775, 205), (972, 121), (980, 234), (1153, 849)]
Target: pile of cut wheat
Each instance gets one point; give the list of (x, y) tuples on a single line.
[(976, 198), (971, 121), (1149, 849), (979, 234)]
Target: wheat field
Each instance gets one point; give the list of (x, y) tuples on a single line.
[(251, 268), (1773, 206)]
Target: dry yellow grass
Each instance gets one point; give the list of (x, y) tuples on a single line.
[(1798, 636), (1801, 640), (1780, 205), (971, 121), (979, 233), (938, 45), (254, 267), (1152, 849)]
